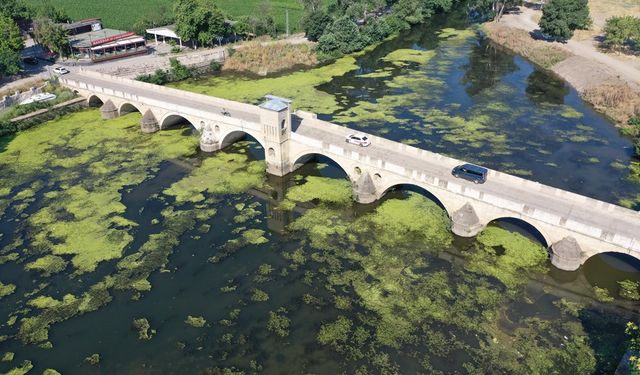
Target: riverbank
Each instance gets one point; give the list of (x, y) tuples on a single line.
[(611, 85)]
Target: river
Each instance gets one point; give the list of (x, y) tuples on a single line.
[(128, 253)]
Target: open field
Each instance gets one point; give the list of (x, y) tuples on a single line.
[(121, 14)]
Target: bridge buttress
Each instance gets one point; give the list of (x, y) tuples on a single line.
[(567, 254), (465, 222), (275, 117)]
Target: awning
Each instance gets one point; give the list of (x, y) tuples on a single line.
[(119, 43)]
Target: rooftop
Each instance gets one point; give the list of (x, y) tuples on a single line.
[(81, 23), (275, 103), (91, 39)]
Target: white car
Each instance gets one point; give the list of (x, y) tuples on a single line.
[(60, 70), (360, 140)]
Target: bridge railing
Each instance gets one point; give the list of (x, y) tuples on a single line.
[(428, 156), (229, 104)]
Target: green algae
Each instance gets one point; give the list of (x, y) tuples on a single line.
[(300, 86), (254, 236), (195, 321), (278, 322), (93, 359), (402, 56), (222, 173), (23, 369), (336, 332), (50, 371), (451, 33), (570, 112), (47, 265), (506, 255), (84, 217), (258, 295), (144, 328), (8, 357), (6, 289), (322, 189)]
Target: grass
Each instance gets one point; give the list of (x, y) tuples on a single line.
[(616, 99), (261, 59), (121, 14), (520, 42)]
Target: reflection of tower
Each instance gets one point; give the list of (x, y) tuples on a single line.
[(278, 219), (275, 116)]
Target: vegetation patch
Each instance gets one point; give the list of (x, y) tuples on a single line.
[(519, 41), (263, 59), (6, 289), (48, 265), (322, 189), (196, 321), (144, 328)]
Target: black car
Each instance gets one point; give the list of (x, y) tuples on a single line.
[(30, 60), (471, 172)]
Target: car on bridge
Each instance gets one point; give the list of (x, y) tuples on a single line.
[(360, 140), (473, 173), (60, 70)]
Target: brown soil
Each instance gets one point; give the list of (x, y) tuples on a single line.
[(262, 58)]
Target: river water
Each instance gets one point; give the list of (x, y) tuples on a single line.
[(105, 229)]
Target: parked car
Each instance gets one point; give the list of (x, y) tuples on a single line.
[(60, 70), (30, 60), (360, 140), (474, 173), (42, 97)]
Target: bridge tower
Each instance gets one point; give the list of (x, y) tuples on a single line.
[(275, 117)]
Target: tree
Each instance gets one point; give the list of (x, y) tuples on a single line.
[(10, 46), (14, 9), (622, 31), (55, 14), (51, 35), (342, 36), (560, 18), (199, 20), (311, 5), (315, 23), (494, 8)]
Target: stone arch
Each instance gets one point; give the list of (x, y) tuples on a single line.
[(95, 101), (436, 198), (235, 135), (127, 107), (522, 225), (623, 255), (306, 157), (174, 120)]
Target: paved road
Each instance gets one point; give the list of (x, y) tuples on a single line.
[(628, 225), (624, 222), (200, 102)]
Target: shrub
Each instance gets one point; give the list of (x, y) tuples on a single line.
[(622, 32), (560, 18), (179, 72), (315, 23)]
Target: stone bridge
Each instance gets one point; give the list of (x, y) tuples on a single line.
[(574, 227)]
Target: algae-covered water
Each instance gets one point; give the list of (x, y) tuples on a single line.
[(126, 253)]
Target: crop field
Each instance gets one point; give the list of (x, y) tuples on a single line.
[(122, 14)]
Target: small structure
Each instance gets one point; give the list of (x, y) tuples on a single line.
[(165, 32), (107, 44), (83, 26)]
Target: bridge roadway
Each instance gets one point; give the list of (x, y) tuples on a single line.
[(558, 215)]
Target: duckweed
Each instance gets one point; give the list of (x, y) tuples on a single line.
[(195, 321), (48, 265), (322, 189), (6, 289)]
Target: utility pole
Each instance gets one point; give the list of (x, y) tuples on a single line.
[(287, 17)]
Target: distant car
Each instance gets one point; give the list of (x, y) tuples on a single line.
[(474, 173), (60, 70), (30, 60), (360, 140)]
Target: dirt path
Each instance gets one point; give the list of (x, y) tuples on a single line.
[(589, 66)]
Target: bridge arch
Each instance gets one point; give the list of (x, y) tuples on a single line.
[(94, 101), (174, 120), (127, 107), (439, 200), (232, 136), (523, 226), (305, 157)]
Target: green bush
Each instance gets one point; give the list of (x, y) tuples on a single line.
[(179, 72), (560, 18), (622, 32)]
